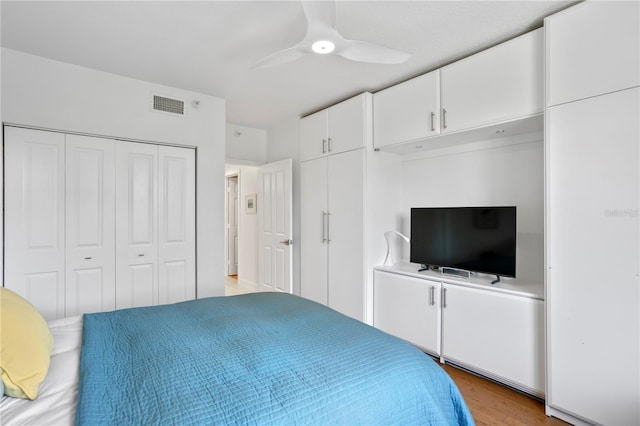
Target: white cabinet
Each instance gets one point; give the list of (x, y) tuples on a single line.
[(592, 244), (94, 224), (339, 128), (501, 84), (408, 308), (498, 335), (592, 134), (332, 227), (592, 48), (494, 330), (407, 111)]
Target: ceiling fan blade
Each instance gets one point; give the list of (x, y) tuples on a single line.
[(281, 57), (320, 14), (362, 51)]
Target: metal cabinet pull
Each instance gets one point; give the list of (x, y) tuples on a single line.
[(324, 146), (444, 118), (433, 295), (329, 144), (87, 258), (328, 227), (141, 255), (433, 127), (324, 229), (444, 297)]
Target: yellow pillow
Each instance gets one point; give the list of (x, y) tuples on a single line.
[(25, 346)]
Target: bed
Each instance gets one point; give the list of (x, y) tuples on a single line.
[(265, 358)]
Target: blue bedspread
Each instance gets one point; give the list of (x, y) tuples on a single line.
[(255, 359)]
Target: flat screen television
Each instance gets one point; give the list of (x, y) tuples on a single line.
[(478, 239)]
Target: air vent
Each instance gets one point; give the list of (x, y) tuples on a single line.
[(172, 106)]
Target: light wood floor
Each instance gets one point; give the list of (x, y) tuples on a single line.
[(492, 404)]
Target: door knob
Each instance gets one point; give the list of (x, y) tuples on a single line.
[(287, 242)]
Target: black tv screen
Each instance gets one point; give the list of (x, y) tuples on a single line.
[(479, 239)]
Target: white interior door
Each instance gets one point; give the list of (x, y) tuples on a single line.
[(232, 225), (90, 225), (176, 224), (274, 226), (34, 263), (136, 225)]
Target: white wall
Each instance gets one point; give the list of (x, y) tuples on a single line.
[(247, 226), (54, 95), (245, 144), (475, 175), (283, 141)]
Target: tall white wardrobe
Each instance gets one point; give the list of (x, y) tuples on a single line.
[(94, 224), (592, 143)]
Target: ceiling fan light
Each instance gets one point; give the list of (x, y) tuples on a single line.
[(323, 47)]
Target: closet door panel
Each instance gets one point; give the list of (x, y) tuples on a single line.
[(346, 233), (313, 230), (90, 224), (34, 218), (136, 225), (176, 217)]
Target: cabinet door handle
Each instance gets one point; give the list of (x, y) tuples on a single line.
[(433, 127), (433, 295), (328, 227), (444, 118), (444, 297), (324, 229), (324, 146), (329, 144)]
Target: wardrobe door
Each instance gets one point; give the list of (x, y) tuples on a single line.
[(90, 225), (136, 225), (176, 218), (34, 218)]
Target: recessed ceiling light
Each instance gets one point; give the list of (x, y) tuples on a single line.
[(323, 46)]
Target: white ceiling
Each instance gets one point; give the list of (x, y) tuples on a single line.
[(209, 46)]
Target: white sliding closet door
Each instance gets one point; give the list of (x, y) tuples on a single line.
[(176, 217), (90, 225), (34, 218), (136, 225)]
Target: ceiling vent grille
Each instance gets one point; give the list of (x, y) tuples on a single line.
[(172, 106)]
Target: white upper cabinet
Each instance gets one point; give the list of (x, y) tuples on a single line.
[(502, 83), (591, 49), (339, 128), (458, 103), (407, 111)]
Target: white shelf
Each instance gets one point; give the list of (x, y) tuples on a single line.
[(533, 290)]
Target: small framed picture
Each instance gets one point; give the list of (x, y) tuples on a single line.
[(250, 203)]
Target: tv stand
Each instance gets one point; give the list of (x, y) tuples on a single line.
[(497, 280)]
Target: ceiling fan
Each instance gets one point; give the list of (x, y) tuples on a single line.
[(323, 38)]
